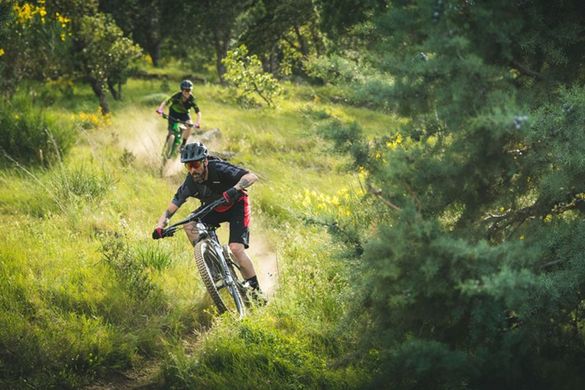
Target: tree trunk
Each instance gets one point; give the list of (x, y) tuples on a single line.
[(318, 43), (116, 92), (154, 35), (302, 43), (221, 53), (154, 53), (98, 89), (221, 39)]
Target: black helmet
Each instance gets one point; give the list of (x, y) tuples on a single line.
[(186, 84), (193, 152)]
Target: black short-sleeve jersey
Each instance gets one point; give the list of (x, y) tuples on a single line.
[(221, 176)]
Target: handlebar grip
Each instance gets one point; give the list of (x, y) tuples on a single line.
[(169, 232)]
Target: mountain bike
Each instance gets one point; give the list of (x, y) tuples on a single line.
[(215, 263), (173, 141)]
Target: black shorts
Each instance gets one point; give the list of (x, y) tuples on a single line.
[(182, 116), (239, 218)]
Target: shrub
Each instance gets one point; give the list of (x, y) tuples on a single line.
[(29, 136), (375, 93), (357, 84), (333, 69), (153, 99), (127, 158), (80, 182), (250, 81), (129, 271)]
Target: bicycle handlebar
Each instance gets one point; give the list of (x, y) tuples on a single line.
[(169, 231), (165, 116)]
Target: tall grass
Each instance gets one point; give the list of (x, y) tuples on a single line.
[(29, 135)]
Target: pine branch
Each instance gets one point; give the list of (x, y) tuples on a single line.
[(510, 217), (378, 193), (516, 218), (527, 71)]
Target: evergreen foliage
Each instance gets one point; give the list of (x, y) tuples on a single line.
[(477, 279)]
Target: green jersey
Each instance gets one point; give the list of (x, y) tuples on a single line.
[(178, 105)]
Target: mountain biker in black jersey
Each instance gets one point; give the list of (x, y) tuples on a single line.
[(180, 104), (211, 178)]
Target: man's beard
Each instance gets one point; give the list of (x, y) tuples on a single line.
[(199, 177)]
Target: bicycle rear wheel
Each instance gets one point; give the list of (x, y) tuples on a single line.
[(226, 297)]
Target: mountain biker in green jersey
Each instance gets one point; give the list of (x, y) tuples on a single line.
[(210, 178), (180, 104)]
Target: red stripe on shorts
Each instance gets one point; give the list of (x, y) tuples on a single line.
[(246, 211)]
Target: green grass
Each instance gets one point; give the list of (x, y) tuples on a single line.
[(85, 292)]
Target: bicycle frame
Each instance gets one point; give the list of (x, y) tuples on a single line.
[(171, 146), (175, 120), (173, 140)]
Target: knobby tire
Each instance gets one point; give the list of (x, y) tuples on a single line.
[(226, 298), (169, 147)]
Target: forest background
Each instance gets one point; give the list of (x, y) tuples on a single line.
[(422, 188)]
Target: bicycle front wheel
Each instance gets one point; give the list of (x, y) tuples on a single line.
[(225, 296), (169, 147)]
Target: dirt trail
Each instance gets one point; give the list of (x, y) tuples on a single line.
[(265, 262), (146, 142)]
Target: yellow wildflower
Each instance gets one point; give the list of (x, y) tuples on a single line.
[(26, 12), (63, 21), (1, 52), (394, 144), (335, 201), (23, 13)]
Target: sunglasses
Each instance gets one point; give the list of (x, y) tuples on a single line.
[(194, 164), (186, 90)]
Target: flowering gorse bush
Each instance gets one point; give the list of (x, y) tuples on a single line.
[(88, 120), (33, 43)]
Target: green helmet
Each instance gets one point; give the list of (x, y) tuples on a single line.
[(193, 152)]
